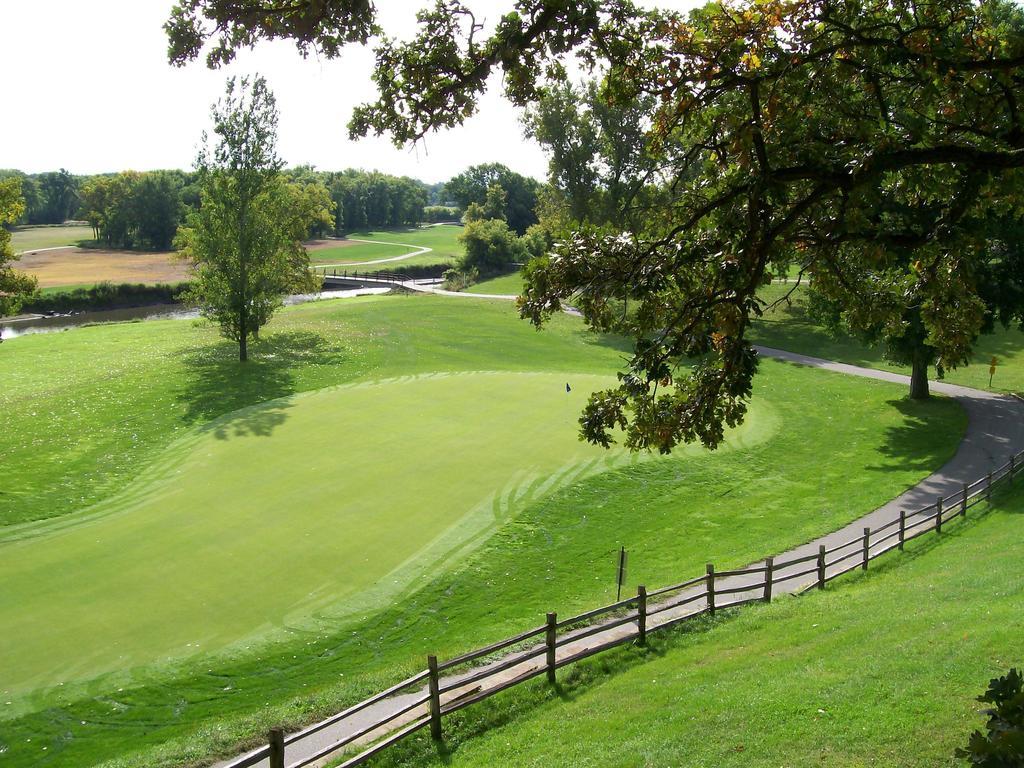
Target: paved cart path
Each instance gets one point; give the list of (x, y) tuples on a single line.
[(995, 430)]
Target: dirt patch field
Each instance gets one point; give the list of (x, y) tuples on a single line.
[(86, 266), (77, 266), (319, 245)]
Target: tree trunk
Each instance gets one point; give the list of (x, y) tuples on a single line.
[(919, 378), (244, 339)]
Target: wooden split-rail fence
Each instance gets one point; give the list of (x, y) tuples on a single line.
[(447, 686), (354, 276)]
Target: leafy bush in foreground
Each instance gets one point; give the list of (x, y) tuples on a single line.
[(1003, 745)]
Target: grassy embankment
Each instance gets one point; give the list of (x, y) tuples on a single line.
[(881, 669), (506, 285), (97, 409)]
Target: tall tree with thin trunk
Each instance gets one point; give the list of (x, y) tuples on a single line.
[(245, 241)]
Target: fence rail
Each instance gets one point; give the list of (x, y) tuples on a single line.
[(355, 276), (536, 651)]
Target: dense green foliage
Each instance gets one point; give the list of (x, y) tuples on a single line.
[(551, 548), (135, 210), (1002, 744), (50, 198), (245, 241), (105, 296), (599, 164), (374, 200), (491, 248), (880, 669), (519, 206), (14, 286)]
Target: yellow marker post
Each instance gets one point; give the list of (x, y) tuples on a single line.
[(992, 370)]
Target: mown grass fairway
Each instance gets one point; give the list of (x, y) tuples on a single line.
[(31, 238), (441, 239), (307, 502), (352, 252), (237, 570), (881, 669)]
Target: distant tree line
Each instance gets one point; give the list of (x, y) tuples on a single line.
[(143, 210), (49, 198)]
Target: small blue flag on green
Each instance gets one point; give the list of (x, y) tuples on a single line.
[(567, 387)]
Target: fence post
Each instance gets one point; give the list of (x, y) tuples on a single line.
[(988, 488), (641, 614), (821, 566), (769, 575), (938, 515), (963, 503), (276, 748), (867, 549), (711, 588), (903, 528), (435, 699), (550, 640)]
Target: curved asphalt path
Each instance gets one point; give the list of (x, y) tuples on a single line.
[(995, 430)]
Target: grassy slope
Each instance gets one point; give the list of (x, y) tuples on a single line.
[(881, 669), (33, 238), (301, 478), (511, 285), (88, 409), (536, 559), (442, 240), (788, 327), (356, 253)]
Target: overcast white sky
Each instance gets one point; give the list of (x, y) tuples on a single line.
[(87, 87)]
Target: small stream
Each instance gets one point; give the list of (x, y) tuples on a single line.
[(12, 329)]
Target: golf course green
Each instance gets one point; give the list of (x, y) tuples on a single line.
[(195, 550), (326, 502)]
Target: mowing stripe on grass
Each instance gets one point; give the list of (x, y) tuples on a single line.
[(321, 503)]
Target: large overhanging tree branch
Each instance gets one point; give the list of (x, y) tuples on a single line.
[(853, 138)]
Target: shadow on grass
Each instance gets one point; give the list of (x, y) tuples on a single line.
[(218, 386), (912, 442)]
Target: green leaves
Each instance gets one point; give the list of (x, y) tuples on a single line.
[(245, 240), (322, 25), (1002, 745), (15, 286)]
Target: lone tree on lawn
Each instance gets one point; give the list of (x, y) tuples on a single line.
[(15, 286), (865, 141), (245, 240)]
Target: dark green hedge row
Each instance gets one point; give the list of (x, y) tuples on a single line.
[(106, 296)]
